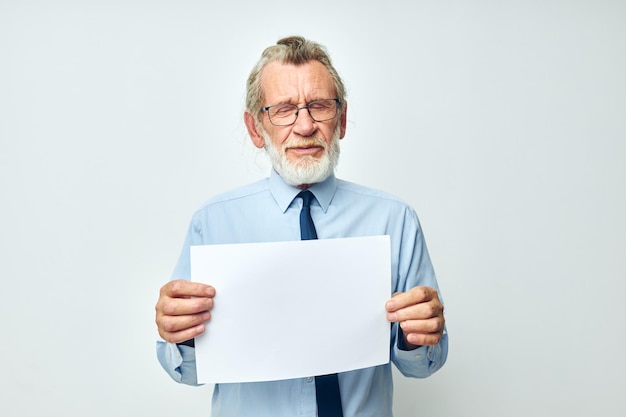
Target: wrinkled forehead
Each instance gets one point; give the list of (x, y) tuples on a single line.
[(298, 84)]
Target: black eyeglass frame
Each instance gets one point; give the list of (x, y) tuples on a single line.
[(297, 111)]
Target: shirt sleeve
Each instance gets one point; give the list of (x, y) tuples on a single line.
[(421, 362), (178, 361), (414, 268)]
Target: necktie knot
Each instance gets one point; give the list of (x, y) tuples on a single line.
[(306, 197)]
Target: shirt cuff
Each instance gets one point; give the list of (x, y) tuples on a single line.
[(178, 361)]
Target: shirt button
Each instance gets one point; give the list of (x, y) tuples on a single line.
[(309, 379)]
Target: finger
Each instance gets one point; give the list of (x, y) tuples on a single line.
[(424, 339), (181, 288), (425, 310), (181, 336), (183, 306), (433, 325), (413, 296), (170, 326), (423, 332)]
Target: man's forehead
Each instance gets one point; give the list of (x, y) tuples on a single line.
[(310, 80)]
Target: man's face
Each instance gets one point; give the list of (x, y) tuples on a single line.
[(307, 151)]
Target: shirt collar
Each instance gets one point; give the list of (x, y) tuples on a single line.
[(284, 193)]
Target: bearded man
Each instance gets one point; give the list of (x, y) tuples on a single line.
[(296, 110)]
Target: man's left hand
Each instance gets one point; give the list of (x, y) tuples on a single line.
[(420, 315)]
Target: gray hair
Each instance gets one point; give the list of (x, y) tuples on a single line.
[(294, 50)]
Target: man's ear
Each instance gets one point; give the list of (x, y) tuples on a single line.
[(253, 130), (343, 120)]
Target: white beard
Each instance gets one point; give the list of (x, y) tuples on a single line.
[(308, 170)]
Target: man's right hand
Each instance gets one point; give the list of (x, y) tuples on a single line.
[(183, 309)]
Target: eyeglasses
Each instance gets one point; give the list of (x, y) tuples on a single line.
[(287, 114)]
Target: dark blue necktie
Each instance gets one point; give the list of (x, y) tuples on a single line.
[(326, 386)]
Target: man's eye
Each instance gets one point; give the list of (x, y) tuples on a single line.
[(283, 110)]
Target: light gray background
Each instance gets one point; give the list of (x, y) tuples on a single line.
[(501, 122)]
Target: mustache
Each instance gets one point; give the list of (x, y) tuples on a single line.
[(304, 143)]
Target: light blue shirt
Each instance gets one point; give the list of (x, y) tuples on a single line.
[(267, 211)]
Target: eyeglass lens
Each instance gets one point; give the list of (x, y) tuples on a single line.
[(286, 114)]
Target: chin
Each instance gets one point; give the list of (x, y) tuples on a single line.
[(306, 169), (307, 172)]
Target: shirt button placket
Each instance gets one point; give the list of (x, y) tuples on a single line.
[(308, 406)]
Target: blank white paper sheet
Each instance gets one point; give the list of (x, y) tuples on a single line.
[(293, 309)]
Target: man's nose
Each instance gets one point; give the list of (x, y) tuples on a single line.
[(304, 125)]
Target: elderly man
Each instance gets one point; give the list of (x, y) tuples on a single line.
[(296, 110)]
